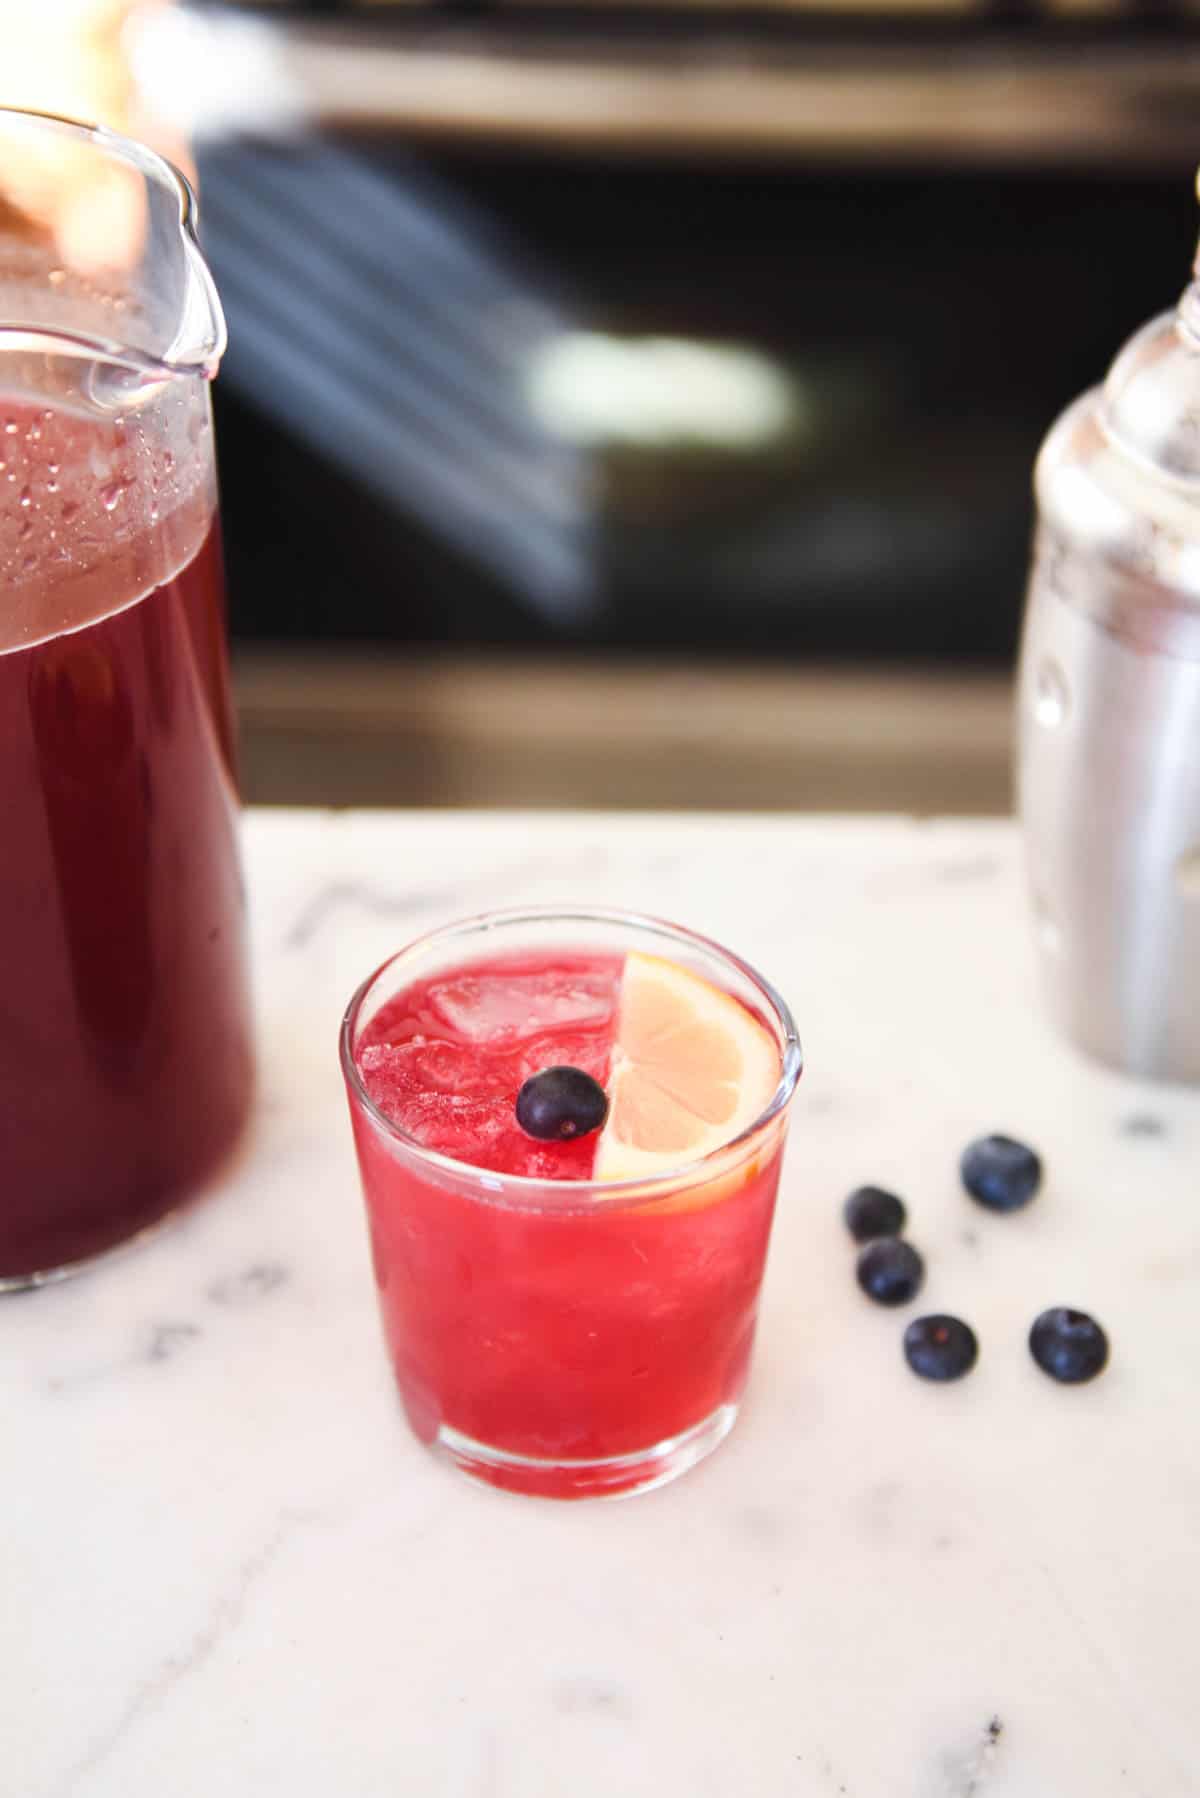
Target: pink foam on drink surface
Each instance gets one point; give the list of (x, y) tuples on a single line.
[(445, 1058)]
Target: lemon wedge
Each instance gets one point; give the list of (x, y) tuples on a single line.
[(691, 1069)]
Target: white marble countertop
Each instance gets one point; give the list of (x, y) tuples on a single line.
[(228, 1569)]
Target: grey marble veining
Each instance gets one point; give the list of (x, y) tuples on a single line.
[(226, 1567)]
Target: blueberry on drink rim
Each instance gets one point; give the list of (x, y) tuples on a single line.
[(872, 1211), (890, 1271), (559, 1104), (1000, 1172), (1068, 1345), (940, 1347)]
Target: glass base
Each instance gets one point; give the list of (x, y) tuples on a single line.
[(611, 1476)]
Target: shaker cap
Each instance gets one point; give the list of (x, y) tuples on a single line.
[(1151, 398)]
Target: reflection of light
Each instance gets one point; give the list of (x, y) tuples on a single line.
[(597, 389), (205, 77), (64, 56), (382, 320), (92, 209), (101, 224)]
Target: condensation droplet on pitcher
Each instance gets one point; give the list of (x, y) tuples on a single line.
[(34, 433), (10, 427), (51, 486), (1051, 696), (25, 497), (57, 276), (110, 496)]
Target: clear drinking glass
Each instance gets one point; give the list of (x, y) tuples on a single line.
[(125, 1052), (569, 1337)]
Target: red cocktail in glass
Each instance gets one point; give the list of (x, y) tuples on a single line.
[(567, 1317)]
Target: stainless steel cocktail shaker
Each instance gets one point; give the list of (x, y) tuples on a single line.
[(1109, 707)]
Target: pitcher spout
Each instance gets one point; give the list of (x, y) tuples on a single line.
[(99, 256)]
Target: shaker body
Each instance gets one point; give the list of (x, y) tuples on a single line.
[(1108, 773), (1109, 795)]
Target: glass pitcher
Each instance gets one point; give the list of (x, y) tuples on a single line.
[(125, 1049)]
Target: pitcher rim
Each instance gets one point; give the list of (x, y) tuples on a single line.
[(153, 165)]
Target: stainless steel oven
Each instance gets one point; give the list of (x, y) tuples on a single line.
[(637, 328)]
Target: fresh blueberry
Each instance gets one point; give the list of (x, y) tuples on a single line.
[(561, 1103), (871, 1211), (890, 1271), (940, 1348), (1000, 1173), (1068, 1345)]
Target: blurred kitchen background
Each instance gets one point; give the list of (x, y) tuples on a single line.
[(634, 404)]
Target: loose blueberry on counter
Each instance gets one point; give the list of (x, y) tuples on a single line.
[(559, 1104), (890, 1271), (1068, 1345), (1000, 1173), (872, 1211), (940, 1347)]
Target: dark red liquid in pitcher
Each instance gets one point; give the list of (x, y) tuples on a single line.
[(125, 1056)]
